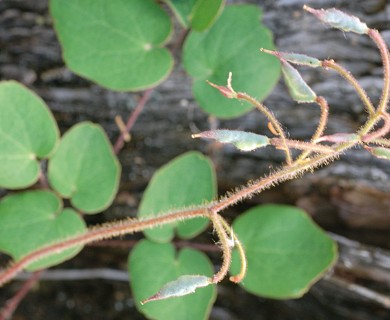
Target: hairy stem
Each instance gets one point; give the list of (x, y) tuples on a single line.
[(275, 123), (382, 142), (284, 174), (352, 80), (321, 125), (385, 129), (225, 246), (237, 244), (105, 231), (301, 145), (384, 51)]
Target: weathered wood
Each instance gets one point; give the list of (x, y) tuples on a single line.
[(350, 197)]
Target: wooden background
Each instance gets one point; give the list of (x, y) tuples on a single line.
[(349, 198)]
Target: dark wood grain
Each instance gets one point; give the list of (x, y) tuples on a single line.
[(350, 197)]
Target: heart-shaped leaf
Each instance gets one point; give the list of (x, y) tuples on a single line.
[(231, 45), (187, 180), (286, 251), (85, 169), (153, 265), (28, 132), (117, 44), (33, 219)]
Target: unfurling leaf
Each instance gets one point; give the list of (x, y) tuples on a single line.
[(380, 152), (297, 87), (295, 58), (245, 141), (184, 285), (340, 20), (228, 92), (339, 138)]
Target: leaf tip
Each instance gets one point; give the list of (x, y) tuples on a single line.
[(379, 152), (227, 91), (182, 286)]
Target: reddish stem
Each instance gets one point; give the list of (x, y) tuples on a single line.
[(377, 38), (127, 244), (105, 231), (131, 120), (13, 303), (381, 132)]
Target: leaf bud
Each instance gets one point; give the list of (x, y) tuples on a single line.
[(295, 58), (339, 19), (182, 286), (245, 141), (297, 87), (380, 152)]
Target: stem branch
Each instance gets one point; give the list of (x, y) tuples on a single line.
[(131, 120), (275, 123)]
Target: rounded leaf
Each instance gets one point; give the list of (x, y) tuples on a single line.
[(28, 132), (231, 45), (286, 251), (152, 265), (34, 219), (85, 169), (117, 44), (185, 181)]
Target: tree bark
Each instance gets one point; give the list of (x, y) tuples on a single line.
[(349, 197)]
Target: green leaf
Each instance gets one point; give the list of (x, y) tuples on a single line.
[(152, 265), (118, 44), (380, 152), (85, 169), (28, 132), (295, 58), (286, 251), (231, 44), (185, 181), (297, 87), (205, 12), (34, 219)]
